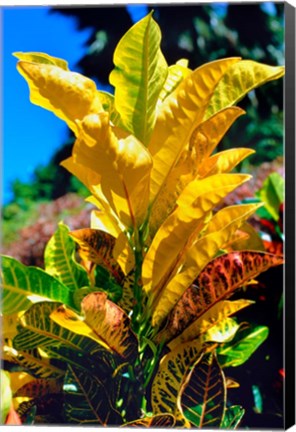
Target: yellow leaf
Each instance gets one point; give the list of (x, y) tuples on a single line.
[(179, 115), (176, 74), (219, 231), (181, 228), (238, 213), (123, 254), (209, 133), (203, 141), (18, 380), (38, 57), (224, 162), (123, 166), (68, 319), (205, 327), (69, 95), (169, 377), (251, 241), (238, 80)]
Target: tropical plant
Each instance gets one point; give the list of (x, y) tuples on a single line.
[(138, 328)]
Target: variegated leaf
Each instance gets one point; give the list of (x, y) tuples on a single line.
[(39, 387), (33, 362), (40, 331), (111, 323), (60, 260), (232, 417), (169, 377), (202, 396), (155, 421), (218, 281), (238, 351), (176, 73), (208, 325), (97, 246), (19, 282), (138, 77), (219, 232), (87, 399)]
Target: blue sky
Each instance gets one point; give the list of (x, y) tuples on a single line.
[(30, 134)]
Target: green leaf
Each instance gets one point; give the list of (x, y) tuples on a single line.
[(60, 260), (232, 417), (138, 77), (176, 73), (34, 363), (6, 395), (203, 393), (238, 80), (87, 399), (258, 401), (272, 194), (18, 282), (38, 330), (242, 347)]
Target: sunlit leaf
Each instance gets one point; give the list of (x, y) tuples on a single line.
[(97, 246), (19, 281), (184, 224), (232, 417), (224, 161), (60, 260), (203, 141), (69, 95), (139, 74), (87, 399), (176, 73), (121, 166), (238, 80), (6, 395), (40, 331), (179, 115), (203, 393), (209, 133), (219, 231), (41, 58), (246, 342)]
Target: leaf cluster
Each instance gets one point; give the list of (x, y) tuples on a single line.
[(138, 328)]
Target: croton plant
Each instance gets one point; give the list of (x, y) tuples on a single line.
[(130, 321)]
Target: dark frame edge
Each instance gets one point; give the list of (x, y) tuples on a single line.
[(289, 308)]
